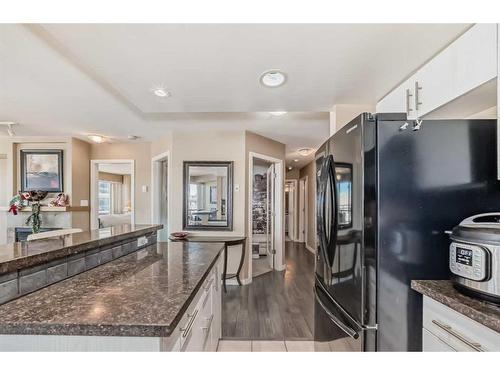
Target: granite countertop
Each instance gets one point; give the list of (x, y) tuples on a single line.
[(18, 255), (141, 294), (443, 291)]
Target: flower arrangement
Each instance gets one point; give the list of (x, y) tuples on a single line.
[(18, 202), (21, 200)]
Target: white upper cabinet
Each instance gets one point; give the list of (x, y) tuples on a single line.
[(464, 66), (400, 100)]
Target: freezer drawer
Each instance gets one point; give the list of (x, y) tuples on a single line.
[(334, 330)]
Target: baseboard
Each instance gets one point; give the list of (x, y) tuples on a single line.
[(310, 249), (280, 267)]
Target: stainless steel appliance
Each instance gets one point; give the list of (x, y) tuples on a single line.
[(387, 189), (475, 256)]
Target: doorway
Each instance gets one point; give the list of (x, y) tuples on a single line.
[(112, 193), (160, 194), (303, 209), (266, 231), (290, 210)]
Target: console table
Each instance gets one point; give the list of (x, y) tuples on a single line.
[(228, 241)]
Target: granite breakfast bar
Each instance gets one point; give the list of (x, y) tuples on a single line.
[(164, 297), (31, 265)]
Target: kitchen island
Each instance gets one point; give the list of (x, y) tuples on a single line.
[(164, 297)]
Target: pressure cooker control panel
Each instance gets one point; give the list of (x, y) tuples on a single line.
[(469, 261)]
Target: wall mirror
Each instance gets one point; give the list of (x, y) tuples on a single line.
[(208, 195)]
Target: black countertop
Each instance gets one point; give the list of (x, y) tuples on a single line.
[(19, 255), (443, 291), (141, 294)]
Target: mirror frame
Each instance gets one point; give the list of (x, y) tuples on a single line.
[(229, 203)]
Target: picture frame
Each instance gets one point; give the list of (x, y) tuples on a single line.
[(42, 170), (200, 218)]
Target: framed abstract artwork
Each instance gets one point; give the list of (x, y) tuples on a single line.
[(42, 170)]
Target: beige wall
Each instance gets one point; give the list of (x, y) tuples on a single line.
[(268, 147), (161, 145), (76, 157), (341, 114), (80, 175), (310, 171), (126, 191), (208, 146), (140, 152)]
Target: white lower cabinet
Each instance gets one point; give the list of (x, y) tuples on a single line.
[(200, 327), (432, 343), (445, 330)]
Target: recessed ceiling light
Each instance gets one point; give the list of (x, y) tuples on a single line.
[(162, 93), (290, 168), (278, 113), (296, 160), (96, 138), (305, 151), (273, 78)]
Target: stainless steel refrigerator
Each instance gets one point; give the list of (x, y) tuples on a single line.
[(387, 190)]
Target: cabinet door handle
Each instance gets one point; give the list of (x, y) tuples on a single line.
[(417, 98), (445, 327), (185, 331), (408, 96)]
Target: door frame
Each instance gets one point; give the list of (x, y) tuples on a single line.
[(304, 213), (294, 210), (155, 191), (94, 188), (279, 263)]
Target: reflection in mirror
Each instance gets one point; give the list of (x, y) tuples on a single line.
[(343, 173), (207, 195)]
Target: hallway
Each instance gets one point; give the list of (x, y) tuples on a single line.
[(276, 305)]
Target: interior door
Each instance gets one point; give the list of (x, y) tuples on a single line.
[(302, 211), (271, 176)]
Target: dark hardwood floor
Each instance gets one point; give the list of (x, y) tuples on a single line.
[(276, 305)]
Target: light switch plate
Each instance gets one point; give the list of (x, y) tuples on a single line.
[(144, 188), (84, 203), (236, 187)]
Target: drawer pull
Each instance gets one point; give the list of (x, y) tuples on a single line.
[(185, 331), (474, 345)]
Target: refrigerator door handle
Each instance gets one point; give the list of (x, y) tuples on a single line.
[(331, 246), (349, 331), (321, 213)]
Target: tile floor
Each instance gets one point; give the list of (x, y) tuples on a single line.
[(265, 346)]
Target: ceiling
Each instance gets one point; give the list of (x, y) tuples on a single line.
[(77, 79)]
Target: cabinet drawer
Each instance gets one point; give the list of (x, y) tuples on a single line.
[(456, 330), (432, 343)]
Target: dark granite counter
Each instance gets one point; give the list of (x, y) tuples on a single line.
[(141, 294), (443, 291), (19, 255)]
